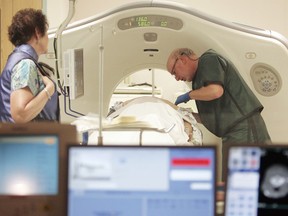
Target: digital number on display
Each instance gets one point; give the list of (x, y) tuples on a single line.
[(150, 21)]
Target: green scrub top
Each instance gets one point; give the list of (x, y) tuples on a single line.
[(238, 101)]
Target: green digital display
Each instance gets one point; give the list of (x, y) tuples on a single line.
[(144, 21), (150, 21)]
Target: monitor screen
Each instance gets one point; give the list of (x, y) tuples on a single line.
[(257, 181), (146, 181), (29, 165), (33, 163)]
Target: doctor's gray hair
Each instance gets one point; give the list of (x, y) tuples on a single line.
[(183, 51), (176, 53)]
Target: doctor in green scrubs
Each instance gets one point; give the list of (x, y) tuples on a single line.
[(226, 105)]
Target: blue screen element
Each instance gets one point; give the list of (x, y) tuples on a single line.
[(146, 181), (29, 165)]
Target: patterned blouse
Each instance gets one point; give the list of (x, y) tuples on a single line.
[(25, 74)]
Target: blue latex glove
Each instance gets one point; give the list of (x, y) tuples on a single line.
[(184, 98)]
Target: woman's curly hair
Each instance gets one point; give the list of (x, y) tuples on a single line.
[(24, 25)]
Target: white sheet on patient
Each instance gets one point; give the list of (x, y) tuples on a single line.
[(159, 115), (149, 110)]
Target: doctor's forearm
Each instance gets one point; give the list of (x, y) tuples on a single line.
[(207, 93)]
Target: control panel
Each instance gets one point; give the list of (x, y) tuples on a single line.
[(266, 80)]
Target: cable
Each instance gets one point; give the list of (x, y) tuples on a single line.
[(63, 92)]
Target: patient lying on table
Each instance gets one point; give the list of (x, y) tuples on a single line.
[(159, 113)]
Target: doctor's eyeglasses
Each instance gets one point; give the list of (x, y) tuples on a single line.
[(174, 65), (173, 72)]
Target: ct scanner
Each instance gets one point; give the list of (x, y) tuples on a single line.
[(142, 34)]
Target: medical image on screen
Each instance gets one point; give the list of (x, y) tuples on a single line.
[(273, 187)]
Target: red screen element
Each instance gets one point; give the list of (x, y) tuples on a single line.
[(190, 162)]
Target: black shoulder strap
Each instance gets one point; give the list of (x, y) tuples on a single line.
[(40, 65)]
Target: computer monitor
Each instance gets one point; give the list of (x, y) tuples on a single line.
[(257, 181), (146, 181), (32, 168)]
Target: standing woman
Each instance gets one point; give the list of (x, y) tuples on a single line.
[(27, 93)]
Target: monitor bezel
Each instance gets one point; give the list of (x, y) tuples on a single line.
[(51, 204)]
